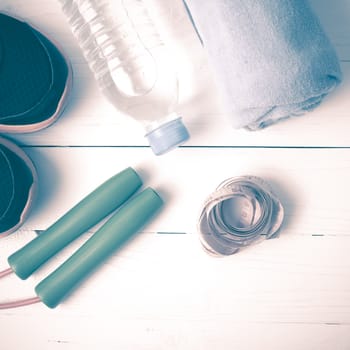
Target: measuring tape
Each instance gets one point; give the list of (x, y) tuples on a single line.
[(243, 210)]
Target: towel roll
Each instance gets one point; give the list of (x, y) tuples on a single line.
[(271, 59)]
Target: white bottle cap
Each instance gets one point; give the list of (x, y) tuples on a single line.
[(167, 136)]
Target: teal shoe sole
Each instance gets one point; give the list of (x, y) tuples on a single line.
[(35, 78), (18, 186)]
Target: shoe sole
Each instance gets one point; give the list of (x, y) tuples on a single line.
[(28, 128), (33, 189)]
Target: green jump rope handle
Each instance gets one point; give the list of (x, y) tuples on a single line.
[(112, 235), (88, 212)]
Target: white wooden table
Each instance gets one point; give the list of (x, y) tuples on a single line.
[(162, 291)]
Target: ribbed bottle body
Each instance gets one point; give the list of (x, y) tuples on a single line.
[(130, 62)]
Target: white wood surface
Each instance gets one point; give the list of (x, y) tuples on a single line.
[(162, 291)]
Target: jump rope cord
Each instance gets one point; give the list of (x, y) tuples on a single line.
[(17, 303), (5, 272)]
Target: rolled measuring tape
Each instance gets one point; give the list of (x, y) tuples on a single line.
[(243, 210)]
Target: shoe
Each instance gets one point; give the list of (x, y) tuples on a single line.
[(18, 186), (35, 78)]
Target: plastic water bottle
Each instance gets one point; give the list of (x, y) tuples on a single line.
[(131, 64)]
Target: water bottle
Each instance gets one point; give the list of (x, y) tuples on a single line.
[(131, 64)]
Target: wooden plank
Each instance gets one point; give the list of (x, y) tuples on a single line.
[(174, 20), (312, 183), (90, 119), (165, 290), (94, 332)]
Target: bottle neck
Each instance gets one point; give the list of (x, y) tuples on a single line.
[(149, 126)]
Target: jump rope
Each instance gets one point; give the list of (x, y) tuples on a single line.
[(241, 211), (131, 216)]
